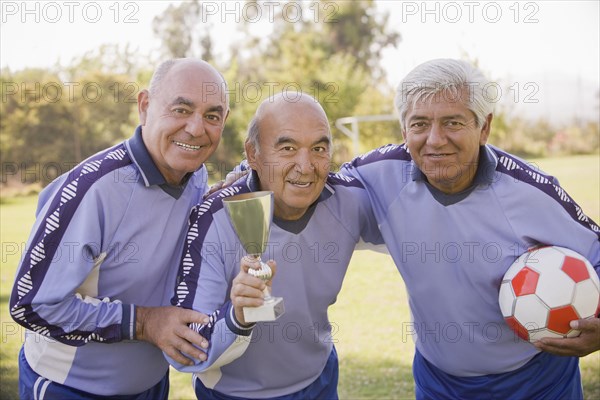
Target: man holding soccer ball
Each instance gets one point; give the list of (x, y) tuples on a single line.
[(455, 213)]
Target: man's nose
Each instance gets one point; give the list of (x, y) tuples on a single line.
[(304, 162), (436, 135), (195, 125)]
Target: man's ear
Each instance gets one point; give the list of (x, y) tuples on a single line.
[(225, 118), (485, 129), (250, 154), (143, 101)]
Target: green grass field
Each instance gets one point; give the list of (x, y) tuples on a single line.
[(374, 363)]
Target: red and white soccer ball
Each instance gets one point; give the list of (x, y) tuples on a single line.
[(545, 289)]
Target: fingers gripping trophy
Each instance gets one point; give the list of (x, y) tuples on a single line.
[(250, 215)]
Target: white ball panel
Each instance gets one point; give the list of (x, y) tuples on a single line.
[(545, 259), (506, 298), (555, 288), (531, 312), (573, 333), (586, 298), (538, 334)]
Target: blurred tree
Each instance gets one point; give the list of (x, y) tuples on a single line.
[(52, 120), (184, 31), (329, 50), (357, 28)]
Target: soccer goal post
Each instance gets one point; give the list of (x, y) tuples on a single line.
[(354, 132)]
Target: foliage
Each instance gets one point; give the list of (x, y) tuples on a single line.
[(183, 32), (52, 120), (541, 139)]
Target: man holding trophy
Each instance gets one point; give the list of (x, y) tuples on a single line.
[(285, 354)]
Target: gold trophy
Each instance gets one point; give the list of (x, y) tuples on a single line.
[(250, 215)]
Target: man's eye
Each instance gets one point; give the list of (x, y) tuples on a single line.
[(320, 149), (180, 110), (419, 124), (213, 117), (288, 148)]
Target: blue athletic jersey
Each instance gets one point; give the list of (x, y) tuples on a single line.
[(453, 250), (108, 236), (287, 355)]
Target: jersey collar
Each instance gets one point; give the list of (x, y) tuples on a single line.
[(486, 168), (148, 169)]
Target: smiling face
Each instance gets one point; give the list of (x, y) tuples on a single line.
[(293, 154), (182, 120), (443, 139)]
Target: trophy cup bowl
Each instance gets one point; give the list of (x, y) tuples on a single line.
[(250, 215)]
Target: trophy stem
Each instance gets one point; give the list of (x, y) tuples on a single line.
[(267, 295), (264, 273)]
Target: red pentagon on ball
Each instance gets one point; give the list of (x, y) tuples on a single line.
[(516, 326), (525, 281), (575, 269), (559, 318)]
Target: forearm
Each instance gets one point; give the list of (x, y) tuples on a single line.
[(76, 321)]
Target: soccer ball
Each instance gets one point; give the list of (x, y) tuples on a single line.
[(545, 289)]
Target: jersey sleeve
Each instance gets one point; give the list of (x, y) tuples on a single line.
[(204, 283), (370, 234), (64, 249), (544, 212)]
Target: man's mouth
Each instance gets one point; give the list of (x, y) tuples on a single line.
[(186, 146), (438, 155), (300, 184)]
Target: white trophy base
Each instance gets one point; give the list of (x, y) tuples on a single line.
[(269, 311)]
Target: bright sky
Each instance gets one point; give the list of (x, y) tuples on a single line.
[(543, 54)]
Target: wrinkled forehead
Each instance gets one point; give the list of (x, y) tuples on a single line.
[(298, 109), (301, 117), (197, 82)]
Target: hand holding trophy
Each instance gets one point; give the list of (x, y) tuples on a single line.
[(250, 215)]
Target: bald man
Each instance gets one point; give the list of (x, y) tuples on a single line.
[(312, 240), (93, 288)]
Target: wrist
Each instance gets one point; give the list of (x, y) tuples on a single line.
[(140, 316), (235, 325)]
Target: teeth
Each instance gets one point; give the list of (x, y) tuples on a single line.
[(301, 184), (185, 146)]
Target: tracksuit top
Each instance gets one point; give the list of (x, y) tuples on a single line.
[(108, 236), (453, 250), (279, 357)]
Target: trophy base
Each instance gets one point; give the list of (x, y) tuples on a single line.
[(269, 311)]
